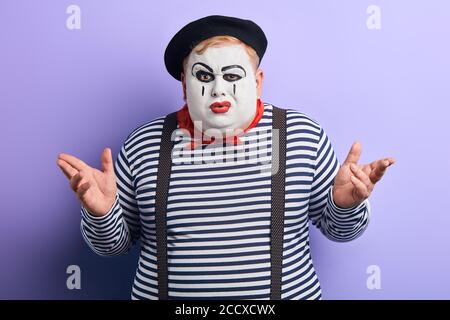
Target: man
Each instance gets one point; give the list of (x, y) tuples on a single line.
[(219, 194)]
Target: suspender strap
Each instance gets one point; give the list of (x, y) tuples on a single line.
[(162, 186), (278, 201)]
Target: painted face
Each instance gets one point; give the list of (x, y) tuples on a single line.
[(221, 88)]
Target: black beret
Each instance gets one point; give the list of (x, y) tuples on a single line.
[(196, 31)]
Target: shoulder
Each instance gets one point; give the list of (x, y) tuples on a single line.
[(150, 129), (146, 137), (298, 122)]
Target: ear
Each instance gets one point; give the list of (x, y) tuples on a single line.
[(259, 82), (183, 84)]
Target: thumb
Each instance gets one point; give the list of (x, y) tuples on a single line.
[(107, 161), (354, 153)]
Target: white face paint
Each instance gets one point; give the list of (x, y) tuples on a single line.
[(221, 74)]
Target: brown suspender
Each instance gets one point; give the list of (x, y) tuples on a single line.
[(278, 201)]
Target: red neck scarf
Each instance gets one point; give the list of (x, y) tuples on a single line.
[(185, 122)]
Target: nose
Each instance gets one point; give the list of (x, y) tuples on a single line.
[(218, 88)]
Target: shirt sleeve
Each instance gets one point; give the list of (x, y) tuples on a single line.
[(115, 232), (337, 224)]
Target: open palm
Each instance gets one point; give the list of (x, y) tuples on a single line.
[(94, 188), (354, 183)]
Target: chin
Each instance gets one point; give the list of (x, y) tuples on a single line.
[(220, 124), (221, 121)]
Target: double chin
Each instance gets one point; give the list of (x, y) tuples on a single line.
[(223, 123)]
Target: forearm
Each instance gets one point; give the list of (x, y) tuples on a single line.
[(107, 235), (335, 223), (340, 224)]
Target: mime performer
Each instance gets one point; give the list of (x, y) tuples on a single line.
[(220, 193)]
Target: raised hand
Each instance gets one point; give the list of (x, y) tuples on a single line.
[(94, 188), (354, 183)]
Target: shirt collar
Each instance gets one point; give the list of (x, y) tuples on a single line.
[(185, 122)]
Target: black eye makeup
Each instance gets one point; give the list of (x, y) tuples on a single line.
[(204, 73), (231, 77), (204, 76), (235, 73)]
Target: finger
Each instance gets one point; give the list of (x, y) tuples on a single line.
[(362, 176), (361, 189), (366, 169), (77, 180), (391, 161), (66, 168), (379, 170), (74, 182), (73, 161), (83, 189), (107, 161), (375, 163), (354, 153)]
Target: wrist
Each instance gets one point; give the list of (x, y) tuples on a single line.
[(340, 205)]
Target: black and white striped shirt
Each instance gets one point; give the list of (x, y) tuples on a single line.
[(219, 209)]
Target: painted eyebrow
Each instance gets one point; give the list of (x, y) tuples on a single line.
[(202, 64), (233, 66)]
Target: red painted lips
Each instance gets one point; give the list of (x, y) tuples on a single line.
[(220, 107)]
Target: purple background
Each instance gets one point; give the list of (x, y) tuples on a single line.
[(78, 91)]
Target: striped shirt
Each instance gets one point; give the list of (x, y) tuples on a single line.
[(219, 210)]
